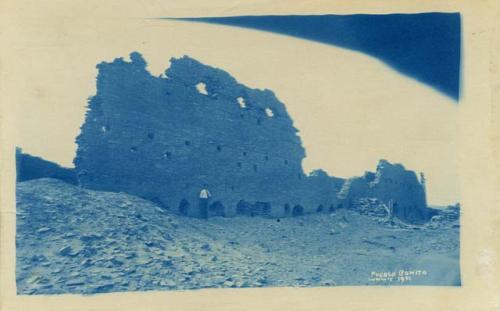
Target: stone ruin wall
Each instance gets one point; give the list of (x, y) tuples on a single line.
[(393, 185), (162, 139)]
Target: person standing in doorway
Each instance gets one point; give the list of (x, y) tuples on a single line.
[(204, 198)]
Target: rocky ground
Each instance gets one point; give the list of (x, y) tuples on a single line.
[(72, 240)]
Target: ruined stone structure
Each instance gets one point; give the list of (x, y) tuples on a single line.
[(166, 138), (399, 189)]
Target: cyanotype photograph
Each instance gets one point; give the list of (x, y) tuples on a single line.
[(199, 155)]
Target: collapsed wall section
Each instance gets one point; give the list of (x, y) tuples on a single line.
[(399, 189)]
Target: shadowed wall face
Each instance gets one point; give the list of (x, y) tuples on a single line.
[(29, 167), (165, 138), (393, 185)]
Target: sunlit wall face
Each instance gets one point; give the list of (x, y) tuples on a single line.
[(351, 109)]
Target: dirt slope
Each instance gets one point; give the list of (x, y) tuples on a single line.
[(72, 240)]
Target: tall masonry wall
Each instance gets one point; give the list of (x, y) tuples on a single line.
[(166, 138)]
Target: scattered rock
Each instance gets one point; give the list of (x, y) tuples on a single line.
[(104, 288), (75, 282), (188, 270), (65, 251), (130, 255), (333, 231), (86, 263), (144, 261), (242, 283), (88, 251), (34, 279), (167, 263), (90, 237), (38, 258), (43, 230), (112, 254)]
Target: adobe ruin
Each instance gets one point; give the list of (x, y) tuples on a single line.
[(398, 189), (164, 138)]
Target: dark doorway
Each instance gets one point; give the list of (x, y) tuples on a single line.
[(396, 211), (184, 207), (287, 209), (243, 208), (262, 208), (217, 209), (298, 210)]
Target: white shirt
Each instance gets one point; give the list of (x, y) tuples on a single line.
[(204, 194)]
